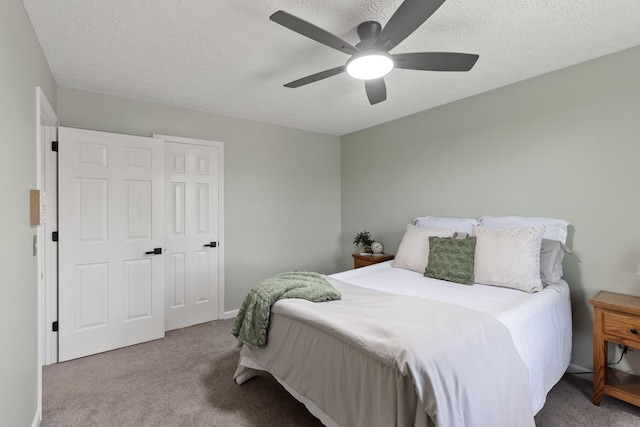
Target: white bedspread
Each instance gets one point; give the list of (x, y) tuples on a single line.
[(317, 367), (462, 362), (540, 323)]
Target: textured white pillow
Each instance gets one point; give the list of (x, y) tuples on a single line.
[(555, 229), (463, 225), (508, 258), (413, 253)]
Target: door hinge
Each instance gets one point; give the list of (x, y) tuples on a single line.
[(54, 145), (54, 326), (54, 236)]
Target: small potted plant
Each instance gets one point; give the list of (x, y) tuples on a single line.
[(364, 239)]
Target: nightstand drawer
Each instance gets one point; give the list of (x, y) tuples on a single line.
[(365, 260), (620, 327)]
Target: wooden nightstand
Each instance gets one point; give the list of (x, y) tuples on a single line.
[(364, 260), (616, 318)]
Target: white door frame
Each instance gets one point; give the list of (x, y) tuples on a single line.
[(45, 117), (221, 245)]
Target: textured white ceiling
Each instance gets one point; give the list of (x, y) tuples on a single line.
[(227, 57)]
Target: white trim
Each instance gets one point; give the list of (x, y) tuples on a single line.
[(579, 371), (48, 248), (37, 418), (45, 116), (230, 314), (573, 368), (221, 246), (47, 113)]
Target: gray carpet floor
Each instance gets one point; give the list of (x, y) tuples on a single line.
[(186, 379)]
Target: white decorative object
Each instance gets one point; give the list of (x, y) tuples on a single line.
[(377, 247)]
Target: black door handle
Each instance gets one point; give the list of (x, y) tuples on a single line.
[(155, 251), (211, 245)]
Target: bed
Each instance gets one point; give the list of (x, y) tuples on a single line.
[(498, 350)]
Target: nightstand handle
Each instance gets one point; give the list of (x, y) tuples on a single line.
[(634, 331)]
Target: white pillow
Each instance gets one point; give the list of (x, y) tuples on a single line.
[(413, 252), (556, 229), (551, 256), (508, 258), (463, 225)]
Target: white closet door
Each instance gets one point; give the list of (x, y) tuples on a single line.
[(111, 215), (192, 234)]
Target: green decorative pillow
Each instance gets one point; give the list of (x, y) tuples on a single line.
[(451, 259)]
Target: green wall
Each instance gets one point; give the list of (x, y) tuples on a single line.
[(564, 145), (281, 185), (22, 68)]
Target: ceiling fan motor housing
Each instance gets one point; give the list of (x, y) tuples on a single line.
[(369, 30)]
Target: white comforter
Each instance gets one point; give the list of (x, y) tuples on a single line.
[(462, 362), (317, 369), (540, 323)]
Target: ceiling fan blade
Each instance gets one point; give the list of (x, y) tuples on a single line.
[(315, 77), (409, 16), (435, 61), (376, 90), (307, 29)]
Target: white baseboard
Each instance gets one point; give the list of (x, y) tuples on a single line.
[(230, 314), (37, 418), (577, 369)]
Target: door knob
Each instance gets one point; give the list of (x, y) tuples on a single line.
[(211, 245), (155, 251)]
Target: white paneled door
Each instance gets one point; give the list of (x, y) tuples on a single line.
[(111, 241), (192, 204)]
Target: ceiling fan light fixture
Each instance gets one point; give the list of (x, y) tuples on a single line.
[(367, 66)]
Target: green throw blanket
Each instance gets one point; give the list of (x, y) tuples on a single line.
[(252, 323)]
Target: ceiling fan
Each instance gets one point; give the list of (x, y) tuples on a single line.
[(370, 58)]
